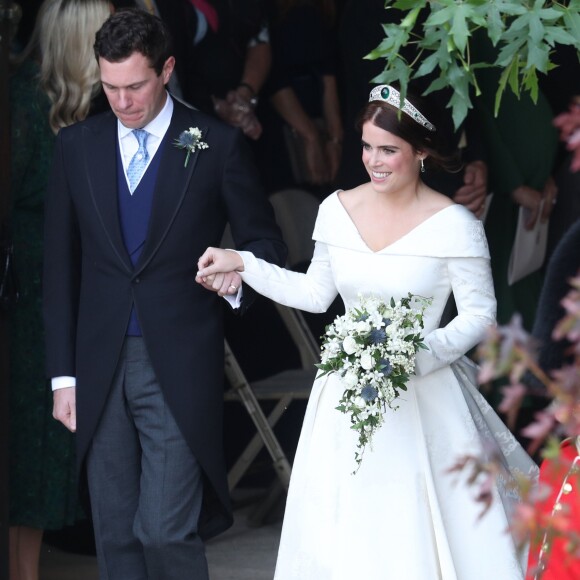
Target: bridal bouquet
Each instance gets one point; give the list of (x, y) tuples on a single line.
[(372, 347)]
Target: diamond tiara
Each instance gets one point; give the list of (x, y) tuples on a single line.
[(393, 97)]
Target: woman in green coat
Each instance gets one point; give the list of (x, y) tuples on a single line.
[(521, 145), (54, 84)]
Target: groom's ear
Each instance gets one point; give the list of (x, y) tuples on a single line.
[(167, 69)]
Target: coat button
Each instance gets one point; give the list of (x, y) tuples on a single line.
[(137, 280)]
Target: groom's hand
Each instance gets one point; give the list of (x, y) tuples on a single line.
[(218, 271), (225, 284), (64, 407)]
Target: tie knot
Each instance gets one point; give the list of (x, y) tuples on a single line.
[(141, 136)]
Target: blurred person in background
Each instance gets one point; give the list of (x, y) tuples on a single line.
[(55, 83), (303, 108)]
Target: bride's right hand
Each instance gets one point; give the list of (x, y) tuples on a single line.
[(217, 261)]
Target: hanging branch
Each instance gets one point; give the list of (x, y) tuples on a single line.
[(524, 33)]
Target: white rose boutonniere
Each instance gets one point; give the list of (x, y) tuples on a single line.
[(191, 141)]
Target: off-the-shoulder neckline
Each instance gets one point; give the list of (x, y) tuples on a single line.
[(398, 240)]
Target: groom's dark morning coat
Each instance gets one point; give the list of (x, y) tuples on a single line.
[(90, 284)]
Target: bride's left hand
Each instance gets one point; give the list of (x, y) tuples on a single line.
[(218, 271)]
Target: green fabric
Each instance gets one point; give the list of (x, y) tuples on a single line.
[(43, 490), (521, 145)]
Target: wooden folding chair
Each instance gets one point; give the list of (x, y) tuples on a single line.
[(282, 387), (295, 213)]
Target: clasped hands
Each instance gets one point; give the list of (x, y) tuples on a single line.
[(238, 112), (218, 271)]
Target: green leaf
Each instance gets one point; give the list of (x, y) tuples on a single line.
[(389, 48), (555, 34), (495, 25), (510, 7), (459, 29), (399, 72), (410, 20), (436, 85), (538, 56), (521, 23), (572, 21), (509, 74), (428, 65), (459, 107), (514, 77), (550, 14), (409, 4), (530, 82), (536, 28), (508, 53), (439, 16)]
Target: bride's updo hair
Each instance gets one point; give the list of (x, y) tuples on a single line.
[(389, 118)]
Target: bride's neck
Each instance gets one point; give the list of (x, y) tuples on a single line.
[(399, 201)]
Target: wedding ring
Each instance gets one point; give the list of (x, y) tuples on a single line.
[(233, 286)]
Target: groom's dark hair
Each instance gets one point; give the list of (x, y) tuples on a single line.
[(133, 30)]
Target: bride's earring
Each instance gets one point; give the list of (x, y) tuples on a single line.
[(422, 166)]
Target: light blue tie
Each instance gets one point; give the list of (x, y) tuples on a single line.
[(139, 161)]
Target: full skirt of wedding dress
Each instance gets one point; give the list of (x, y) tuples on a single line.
[(402, 516)]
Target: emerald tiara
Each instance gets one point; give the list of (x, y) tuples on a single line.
[(393, 97)]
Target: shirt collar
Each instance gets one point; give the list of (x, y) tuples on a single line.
[(157, 126)]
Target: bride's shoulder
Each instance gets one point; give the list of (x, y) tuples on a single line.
[(350, 198), (435, 202)]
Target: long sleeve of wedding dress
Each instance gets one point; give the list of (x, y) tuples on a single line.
[(472, 287), (312, 291)]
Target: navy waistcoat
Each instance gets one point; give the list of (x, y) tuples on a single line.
[(134, 215)]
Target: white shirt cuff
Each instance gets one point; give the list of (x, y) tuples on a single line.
[(235, 301), (63, 382)]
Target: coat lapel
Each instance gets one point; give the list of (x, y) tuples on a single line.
[(172, 183), (100, 144)]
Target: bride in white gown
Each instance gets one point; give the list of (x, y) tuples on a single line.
[(402, 516)]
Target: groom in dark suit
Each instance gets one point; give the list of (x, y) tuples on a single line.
[(134, 346)]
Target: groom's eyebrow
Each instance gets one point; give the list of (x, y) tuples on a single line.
[(131, 86)]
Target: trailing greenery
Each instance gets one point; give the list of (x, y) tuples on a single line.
[(524, 33)]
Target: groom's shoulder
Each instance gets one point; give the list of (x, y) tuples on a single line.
[(197, 118), (94, 123)]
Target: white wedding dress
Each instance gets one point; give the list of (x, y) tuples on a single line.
[(401, 516)]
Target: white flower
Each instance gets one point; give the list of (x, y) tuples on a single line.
[(362, 326), (360, 402), (350, 379), (366, 361), (349, 345)]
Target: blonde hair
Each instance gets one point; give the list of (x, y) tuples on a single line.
[(69, 74)]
